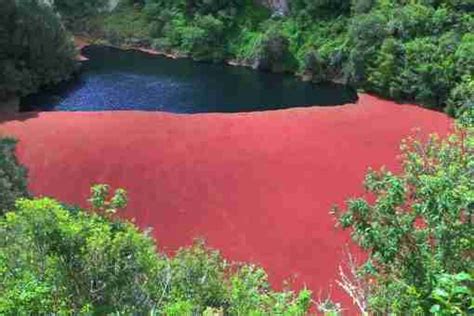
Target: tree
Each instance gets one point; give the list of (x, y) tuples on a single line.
[(367, 33), (383, 76), (35, 49), (272, 53), (417, 228)]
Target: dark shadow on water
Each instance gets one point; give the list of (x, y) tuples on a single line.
[(50, 97), (17, 117), (114, 79)]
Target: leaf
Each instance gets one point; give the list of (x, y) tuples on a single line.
[(461, 290), (435, 309), (440, 293), (463, 276)]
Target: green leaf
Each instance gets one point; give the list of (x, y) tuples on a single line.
[(435, 309)]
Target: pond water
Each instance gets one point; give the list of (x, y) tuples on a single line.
[(114, 79)]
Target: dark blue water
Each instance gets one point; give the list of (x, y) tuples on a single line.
[(114, 79)]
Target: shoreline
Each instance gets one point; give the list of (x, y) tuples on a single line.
[(84, 41), (80, 43)]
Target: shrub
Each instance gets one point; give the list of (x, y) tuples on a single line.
[(57, 261), (272, 52), (13, 182), (418, 226)]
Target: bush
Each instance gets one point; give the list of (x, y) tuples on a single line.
[(204, 40), (272, 53), (57, 261), (418, 227), (461, 98), (13, 182)]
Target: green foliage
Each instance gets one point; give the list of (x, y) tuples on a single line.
[(103, 205), (461, 97), (453, 294), (362, 6), (428, 71), (272, 52), (307, 9), (189, 267), (411, 52), (72, 263), (76, 12), (251, 291), (57, 261), (314, 66), (417, 227), (383, 76), (199, 7), (366, 33), (35, 49), (203, 40), (13, 179), (123, 27)]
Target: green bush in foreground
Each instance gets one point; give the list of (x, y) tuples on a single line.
[(13, 182), (56, 261), (418, 230)]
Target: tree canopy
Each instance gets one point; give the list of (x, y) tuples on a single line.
[(35, 49)]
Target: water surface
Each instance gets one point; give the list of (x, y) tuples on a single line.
[(114, 79)]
